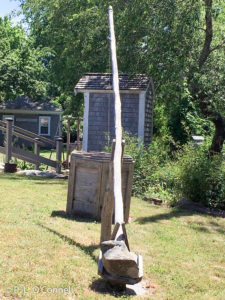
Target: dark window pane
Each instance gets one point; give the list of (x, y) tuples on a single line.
[(44, 130)]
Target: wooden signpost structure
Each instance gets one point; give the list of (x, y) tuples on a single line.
[(115, 255)]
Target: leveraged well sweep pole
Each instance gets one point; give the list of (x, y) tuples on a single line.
[(116, 264), (117, 178)]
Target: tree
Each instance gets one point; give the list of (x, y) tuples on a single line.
[(206, 77), (164, 39), (21, 67)]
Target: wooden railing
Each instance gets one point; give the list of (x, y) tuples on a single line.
[(11, 151)]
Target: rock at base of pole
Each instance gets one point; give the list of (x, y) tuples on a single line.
[(118, 261)]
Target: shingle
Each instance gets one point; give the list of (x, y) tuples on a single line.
[(103, 81), (25, 103)]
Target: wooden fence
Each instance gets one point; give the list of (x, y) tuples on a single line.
[(11, 151)]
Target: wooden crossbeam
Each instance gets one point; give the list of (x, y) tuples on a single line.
[(31, 157), (32, 134)]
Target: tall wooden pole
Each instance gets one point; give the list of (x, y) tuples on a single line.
[(117, 178)]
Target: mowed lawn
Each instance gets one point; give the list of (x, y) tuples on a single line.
[(41, 250)]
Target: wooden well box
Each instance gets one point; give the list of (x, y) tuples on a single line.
[(88, 179)]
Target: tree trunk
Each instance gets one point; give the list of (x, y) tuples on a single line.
[(202, 97), (219, 135)]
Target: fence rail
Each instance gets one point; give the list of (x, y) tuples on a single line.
[(34, 158), (27, 134)]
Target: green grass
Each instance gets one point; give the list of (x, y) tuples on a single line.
[(183, 252)]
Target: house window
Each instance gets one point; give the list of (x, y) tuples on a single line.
[(44, 125)]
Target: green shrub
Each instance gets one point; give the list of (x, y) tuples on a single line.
[(189, 175), (201, 178), (146, 160), (193, 176)]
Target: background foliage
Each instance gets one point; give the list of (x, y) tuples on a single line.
[(21, 64), (189, 174), (181, 44)]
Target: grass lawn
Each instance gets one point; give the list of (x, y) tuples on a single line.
[(183, 252)]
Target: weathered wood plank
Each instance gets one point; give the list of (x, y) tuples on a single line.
[(27, 135), (71, 186), (27, 138), (3, 123), (107, 209), (2, 150), (58, 154), (128, 192), (31, 157), (34, 135), (8, 144), (36, 152), (2, 128)]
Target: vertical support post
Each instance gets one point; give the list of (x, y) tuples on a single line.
[(60, 125), (108, 203), (78, 130), (37, 152), (68, 142), (79, 143), (8, 145), (58, 154), (107, 209)]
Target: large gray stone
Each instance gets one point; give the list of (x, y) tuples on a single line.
[(118, 261), (106, 245), (45, 174)]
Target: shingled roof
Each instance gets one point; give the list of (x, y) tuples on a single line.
[(103, 81), (25, 103)]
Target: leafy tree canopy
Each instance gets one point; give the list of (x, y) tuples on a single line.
[(179, 43), (22, 70)]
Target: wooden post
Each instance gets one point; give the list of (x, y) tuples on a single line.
[(8, 145), (58, 154), (117, 178), (37, 152), (78, 130), (108, 205), (68, 142)]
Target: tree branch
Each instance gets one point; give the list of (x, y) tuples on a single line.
[(218, 46), (208, 33), (203, 29)]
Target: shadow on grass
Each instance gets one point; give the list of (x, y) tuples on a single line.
[(50, 181), (103, 287), (174, 213), (11, 176), (88, 250), (99, 285), (212, 227), (62, 214)]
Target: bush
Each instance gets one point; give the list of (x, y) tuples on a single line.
[(146, 160), (193, 176), (190, 174), (201, 178)]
